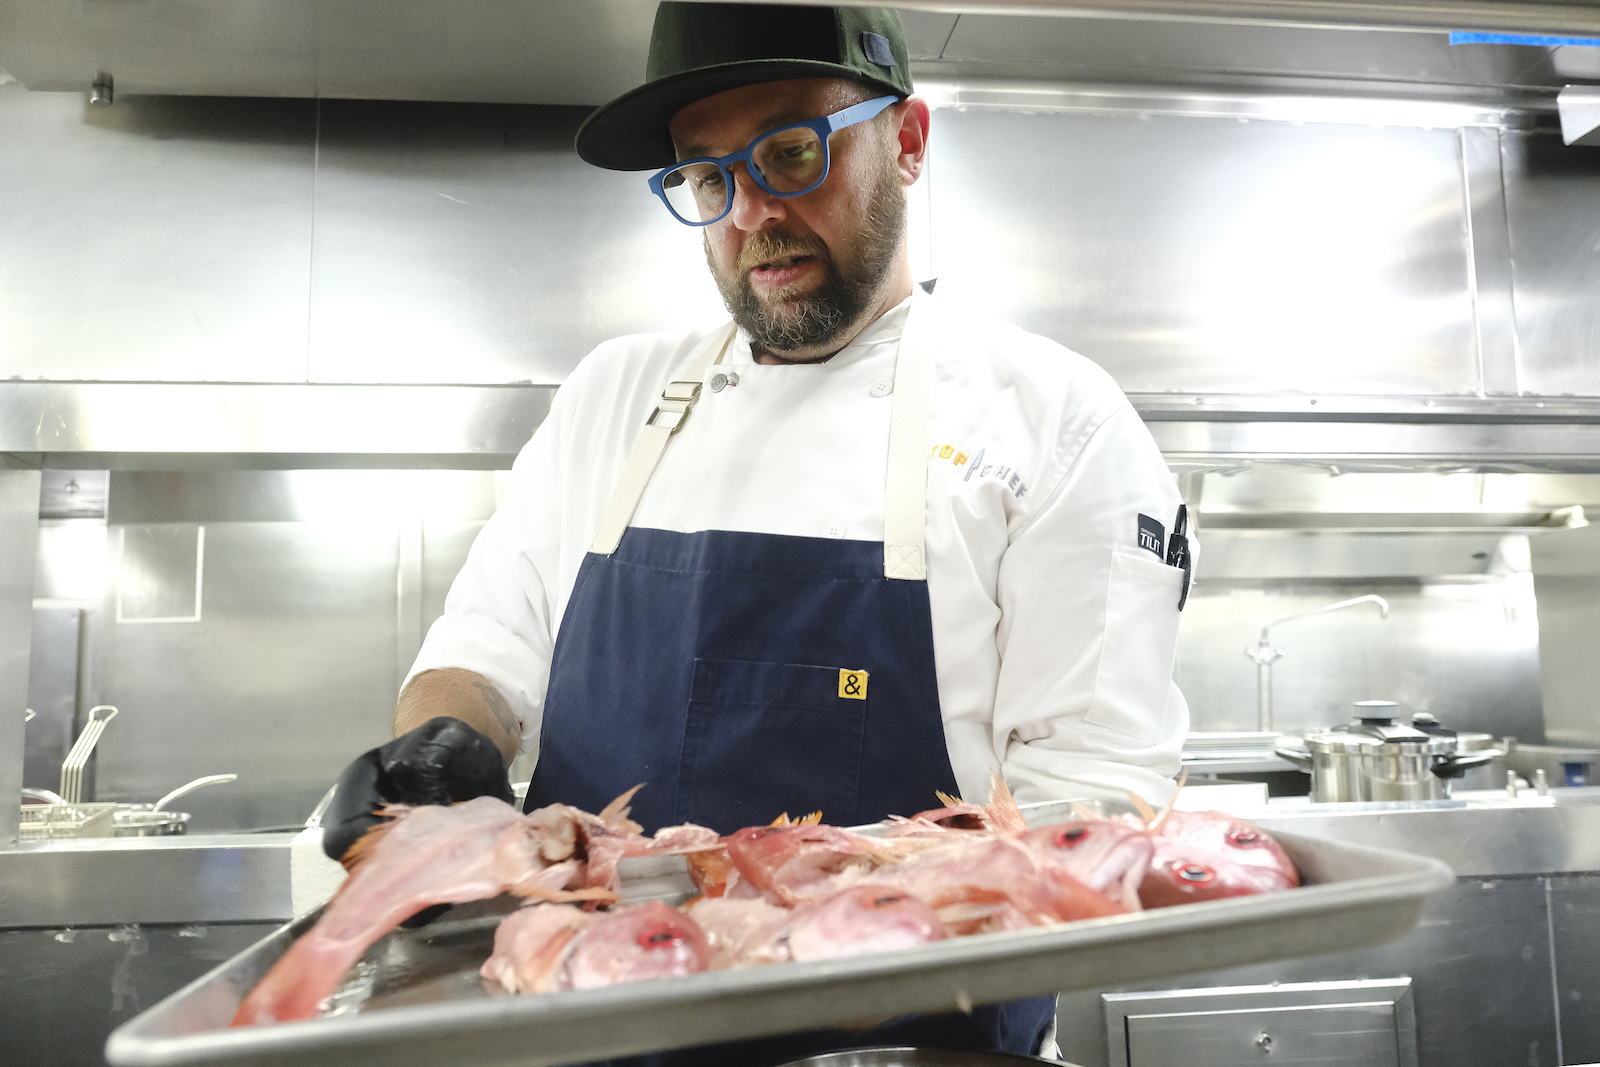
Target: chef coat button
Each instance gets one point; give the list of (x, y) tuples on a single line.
[(718, 382), (881, 387), (833, 529)]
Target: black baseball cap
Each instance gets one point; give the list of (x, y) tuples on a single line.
[(701, 49)]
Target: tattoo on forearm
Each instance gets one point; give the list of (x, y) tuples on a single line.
[(499, 708)]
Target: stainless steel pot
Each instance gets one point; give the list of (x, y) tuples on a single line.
[(142, 820), (149, 820), (1377, 757)]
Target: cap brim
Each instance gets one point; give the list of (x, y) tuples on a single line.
[(630, 133)]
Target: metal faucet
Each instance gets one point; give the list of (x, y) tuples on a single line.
[(1265, 655)]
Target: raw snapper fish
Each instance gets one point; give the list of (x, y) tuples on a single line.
[(796, 863), (1208, 855), (1107, 856), (549, 947), (635, 944), (604, 839), (425, 856), (980, 883), (867, 918), (742, 932), (530, 945)]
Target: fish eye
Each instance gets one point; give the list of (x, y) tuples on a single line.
[(657, 938), (1244, 838), (1070, 838), (1194, 873), (879, 902)]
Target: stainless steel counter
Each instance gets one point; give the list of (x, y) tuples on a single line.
[(204, 878)]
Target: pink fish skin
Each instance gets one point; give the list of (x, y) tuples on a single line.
[(531, 944), (1209, 855), (742, 932), (795, 862), (426, 856), (969, 876), (867, 918), (636, 944), (1107, 856)]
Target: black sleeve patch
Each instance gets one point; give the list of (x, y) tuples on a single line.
[(1153, 537)]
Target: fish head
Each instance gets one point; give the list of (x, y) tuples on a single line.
[(1104, 855), (1208, 855), (634, 945), (862, 919)]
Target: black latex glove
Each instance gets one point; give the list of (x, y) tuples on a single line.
[(443, 761)]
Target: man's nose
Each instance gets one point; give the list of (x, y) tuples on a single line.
[(753, 207)]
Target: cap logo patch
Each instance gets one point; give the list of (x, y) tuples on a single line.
[(876, 47)]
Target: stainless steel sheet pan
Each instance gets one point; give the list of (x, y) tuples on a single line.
[(416, 999)]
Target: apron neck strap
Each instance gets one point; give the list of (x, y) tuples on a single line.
[(905, 496), (905, 511), (672, 411)]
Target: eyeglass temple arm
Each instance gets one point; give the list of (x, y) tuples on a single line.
[(858, 112)]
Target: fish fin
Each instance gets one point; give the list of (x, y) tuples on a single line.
[(1002, 807), (564, 896), (615, 814), (1146, 812), (814, 819), (781, 820), (1183, 778), (946, 799)]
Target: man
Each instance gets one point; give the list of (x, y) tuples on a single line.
[(890, 549)]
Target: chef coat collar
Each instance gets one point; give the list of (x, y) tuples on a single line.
[(886, 328)]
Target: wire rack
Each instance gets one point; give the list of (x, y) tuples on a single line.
[(42, 822)]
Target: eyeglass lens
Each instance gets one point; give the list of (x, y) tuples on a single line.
[(789, 161)]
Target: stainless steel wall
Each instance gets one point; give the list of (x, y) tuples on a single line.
[(316, 589), (1466, 650), (1567, 569), (1190, 242), (19, 524)]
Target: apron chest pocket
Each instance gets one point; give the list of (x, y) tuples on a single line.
[(766, 738), (1134, 680)]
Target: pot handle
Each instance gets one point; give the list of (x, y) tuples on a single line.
[(1297, 756), (1456, 766), (190, 787)]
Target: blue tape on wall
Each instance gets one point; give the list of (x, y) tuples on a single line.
[(1538, 39)]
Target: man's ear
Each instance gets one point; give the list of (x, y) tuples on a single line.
[(913, 117)]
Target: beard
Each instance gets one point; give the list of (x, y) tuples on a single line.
[(790, 322)]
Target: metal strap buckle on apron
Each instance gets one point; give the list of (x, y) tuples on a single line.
[(905, 510), (676, 405)]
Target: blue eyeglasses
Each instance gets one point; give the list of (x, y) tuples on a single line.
[(788, 161)]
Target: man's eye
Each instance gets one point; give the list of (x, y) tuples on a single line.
[(710, 181)]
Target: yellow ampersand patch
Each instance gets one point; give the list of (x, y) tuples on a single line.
[(852, 684)]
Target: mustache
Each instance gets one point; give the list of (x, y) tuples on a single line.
[(775, 244)]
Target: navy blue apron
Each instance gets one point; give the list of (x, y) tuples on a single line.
[(740, 676)]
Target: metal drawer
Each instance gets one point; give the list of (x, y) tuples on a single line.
[(1355, 1024)]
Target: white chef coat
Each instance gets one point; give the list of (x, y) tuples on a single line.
[(1053, 630)]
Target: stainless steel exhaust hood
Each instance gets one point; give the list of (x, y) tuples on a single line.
[(586, 51)]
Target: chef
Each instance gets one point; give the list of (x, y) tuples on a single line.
[(850, 548)]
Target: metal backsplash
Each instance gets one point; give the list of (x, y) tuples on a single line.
[(1214, 242)]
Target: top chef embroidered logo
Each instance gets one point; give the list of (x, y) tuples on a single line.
[(977, 468), (1153, 537)]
